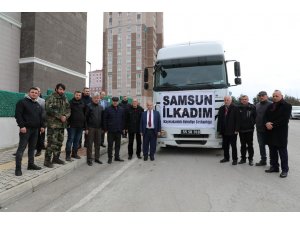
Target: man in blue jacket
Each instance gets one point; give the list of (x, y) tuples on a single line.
[(114, 124), (150, 127)]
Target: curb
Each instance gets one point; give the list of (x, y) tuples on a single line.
[(26, 188)]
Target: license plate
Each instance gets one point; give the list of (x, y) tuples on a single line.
[(191, 132)]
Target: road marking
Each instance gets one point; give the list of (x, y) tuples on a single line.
[(94, 192)]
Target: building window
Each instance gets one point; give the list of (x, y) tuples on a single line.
[(138, 59), (110, 62), (139, 18), (110, 39), (110, 22), (128, 92)]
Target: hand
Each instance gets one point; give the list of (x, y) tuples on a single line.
[(63, 119), (269, 125), (158, 133), (23, 130), (236, 132), (86, 132), (42, 129), (141, 134)]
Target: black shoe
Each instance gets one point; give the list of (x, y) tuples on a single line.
[(251, 163), (152, 159), (272, 170), (103, 145), (261, 163), (18, 172), (14, 154), (38, 154), (58, 161), (109, 161), (145, 158), (119, 160), (283, 174), (33, 167), (234, 162), (69, 159), (48, 164), (139, 157), (98, 161), (242, 161), (75, 156), (130, 157), (224, 160), (89, 163)]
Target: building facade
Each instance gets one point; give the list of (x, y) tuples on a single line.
[(96, 81), (53, 50), (10, 33), (130, 43)]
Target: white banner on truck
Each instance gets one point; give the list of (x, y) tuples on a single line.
[(188, 109)]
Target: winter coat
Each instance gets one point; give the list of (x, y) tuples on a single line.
[(78, 111), (231, 123), (133, 119), (247, 116), (94, 115), (57, 106), (261, 108), (29, 114), (279, 114), (86, 99), (114, 119)]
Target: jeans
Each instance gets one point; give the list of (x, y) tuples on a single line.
[(138, 143), (111, 138), (262, 141), (74, 135), (227, 141), (30, 138), (247, 144)]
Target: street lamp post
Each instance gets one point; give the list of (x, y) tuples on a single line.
[(90, 73)]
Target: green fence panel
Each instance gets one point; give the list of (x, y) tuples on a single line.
[(8, 103)]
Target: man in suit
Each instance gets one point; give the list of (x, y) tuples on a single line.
[(150, 127), (277, 120), (229, 127), (105, 105)]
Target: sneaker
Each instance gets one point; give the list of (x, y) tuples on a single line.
[(33, 167), (272, 170), (48, 164), (242, 161), (283, 174), (58, 161), (261, 163), (224, 160), (18, 172)]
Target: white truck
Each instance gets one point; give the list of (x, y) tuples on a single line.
[(190, 82)]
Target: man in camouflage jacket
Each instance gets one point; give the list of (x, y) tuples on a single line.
[(58, 111)]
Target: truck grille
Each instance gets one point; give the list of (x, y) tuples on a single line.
[(197, 142)]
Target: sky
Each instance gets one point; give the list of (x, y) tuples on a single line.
[(265, 42)]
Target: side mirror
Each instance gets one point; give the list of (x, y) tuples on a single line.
[(146, 86), (237, 69), (146, 75), (238, 81)]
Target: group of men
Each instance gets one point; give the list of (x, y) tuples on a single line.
[(84, 113), (271, 120)]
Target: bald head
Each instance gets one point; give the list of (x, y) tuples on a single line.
[(149, 105), (135, 102), (227, 100), (277, 96)]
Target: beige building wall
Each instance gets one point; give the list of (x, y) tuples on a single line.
[(130, 43)]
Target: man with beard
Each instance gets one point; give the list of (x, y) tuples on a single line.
[(58, 111)]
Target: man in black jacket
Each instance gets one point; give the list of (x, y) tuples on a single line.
[(247, 115), (133, 119), (114, 124), (125, 105), (277, 120), (94, 119), (228, 127), (86, 98), (29, 117), (76, 124)]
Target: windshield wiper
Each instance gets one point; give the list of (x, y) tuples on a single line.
[(169, 86), (211, 85)]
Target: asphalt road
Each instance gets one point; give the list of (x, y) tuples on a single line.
[(178, 180)]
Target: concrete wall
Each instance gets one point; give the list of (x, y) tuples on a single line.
[(10, 50), (9, 132)]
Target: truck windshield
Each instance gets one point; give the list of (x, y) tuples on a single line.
[(190, 75)]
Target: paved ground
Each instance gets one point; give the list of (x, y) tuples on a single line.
[(178, 180)]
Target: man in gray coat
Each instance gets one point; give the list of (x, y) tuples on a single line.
[(261, 108)]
